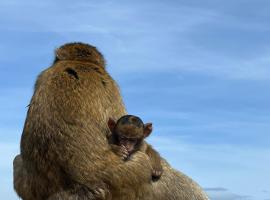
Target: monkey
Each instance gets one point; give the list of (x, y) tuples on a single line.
[(64, 151), (127, 137), (63, 128)]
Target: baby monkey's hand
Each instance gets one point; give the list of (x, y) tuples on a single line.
[(124, 153), (121, 151)]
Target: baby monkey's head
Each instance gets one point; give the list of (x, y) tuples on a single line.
[(129, 131)]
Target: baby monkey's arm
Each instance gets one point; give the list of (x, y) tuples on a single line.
[(155, 161)]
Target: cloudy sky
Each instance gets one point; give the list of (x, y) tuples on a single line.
[(199, 70)]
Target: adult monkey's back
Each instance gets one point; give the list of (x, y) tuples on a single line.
[(64, 151)]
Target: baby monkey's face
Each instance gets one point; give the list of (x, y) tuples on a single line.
[(129, 136)]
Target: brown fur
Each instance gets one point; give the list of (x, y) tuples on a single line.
[(64, 150)]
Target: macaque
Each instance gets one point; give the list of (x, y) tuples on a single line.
[(127, 137), (65, 154)]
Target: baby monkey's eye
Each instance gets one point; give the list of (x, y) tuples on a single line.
[(122, 138), (132, 139)]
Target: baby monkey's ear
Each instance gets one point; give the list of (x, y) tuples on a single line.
[(147, 129), (111, 124)]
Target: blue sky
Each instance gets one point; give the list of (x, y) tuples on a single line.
[(199, 70)]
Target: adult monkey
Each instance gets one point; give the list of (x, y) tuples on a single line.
[(64, 150)]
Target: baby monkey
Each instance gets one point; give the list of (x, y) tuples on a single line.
[(127, 137)]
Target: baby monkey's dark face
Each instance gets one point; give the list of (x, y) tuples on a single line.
[(129, 136), (129, 132)]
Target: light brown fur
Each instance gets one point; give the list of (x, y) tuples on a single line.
[(64, 151)]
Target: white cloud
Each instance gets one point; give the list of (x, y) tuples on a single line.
[(218, 193), (130, 29), (207, 62), (227, 196), (106, 17)]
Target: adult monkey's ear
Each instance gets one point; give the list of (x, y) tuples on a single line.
[(111, 124), (147, 129)]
